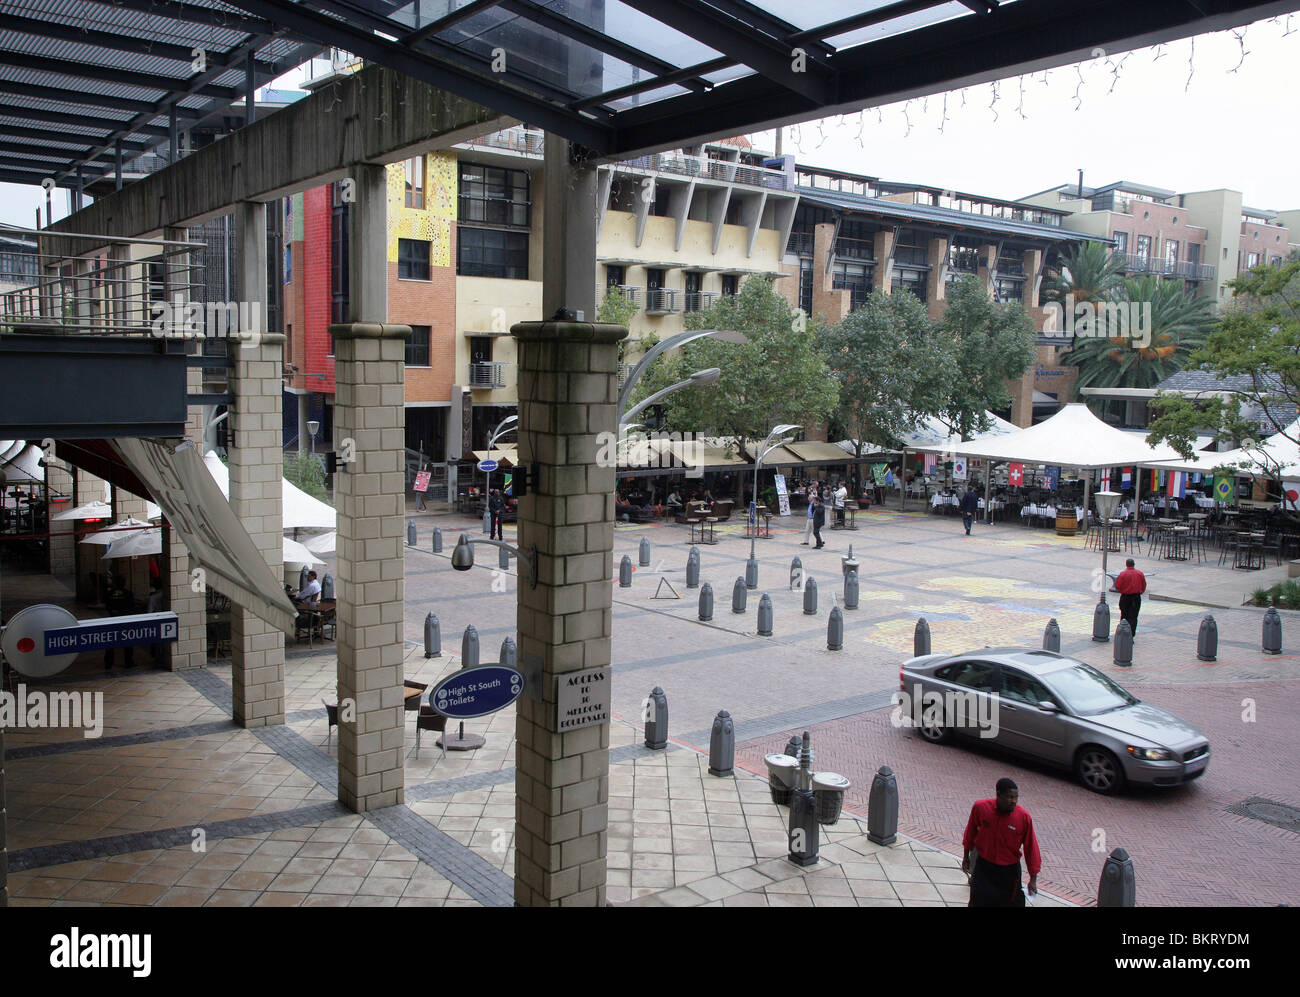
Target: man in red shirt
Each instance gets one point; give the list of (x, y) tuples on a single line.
[(997, 830), (1130, 585)]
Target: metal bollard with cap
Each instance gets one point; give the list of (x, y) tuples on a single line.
[(327, 587), (643, 553), (1207, 640), (625, 572), (469, 648), (765, 616), (487, 522), (503, 558), (722, 745), (792, 746), (706, 603), (851, 589), (302, 578), (804, 834), (882, 807), (739, 594), (410, 533), (835, 630), (1052, 636), (810, 596), (1101, 623), (1118, 886), (1272, 632), (693, 568), (656, 719), (437, 539), (1124, 645), (751, 573), (796, 574), (921, 638), (432, 637), (509, 653)]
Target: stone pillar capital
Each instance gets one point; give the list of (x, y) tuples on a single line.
[(563, 331), (370, 330)]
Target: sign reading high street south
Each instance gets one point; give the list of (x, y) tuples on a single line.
[(115, 631), (582, 698)]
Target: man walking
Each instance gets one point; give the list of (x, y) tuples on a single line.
[(819, 520), (998, 830), (496, 506), (1130, 585), (970, 504), (812, 510)]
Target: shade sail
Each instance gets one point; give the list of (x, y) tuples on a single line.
[(323, 544), (1277, 454), (1073, 437), (298, 509), (818, 453)]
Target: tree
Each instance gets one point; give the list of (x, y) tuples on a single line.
[(1088, 272), (778, 376), (307, 471), (892, 366), (992, 344)]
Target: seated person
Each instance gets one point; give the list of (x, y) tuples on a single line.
[(311, 591), (674, 499)]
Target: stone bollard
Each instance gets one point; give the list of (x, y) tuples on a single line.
[(796, 574), (656, 719), (1123, 645), (1101, 623), (437, 539), (503, 558), (693, 569), (882, 808), (302, 578), (327, 586), (643, 553), (1272, 632), (1052, 636), (738, 596), (509, 653), (804, 836), (851, 590), (810, 596), (410, 533), (1118, 886), (1207, 640), (432, 637), (487, 522), (722, 745), (469, 648), (625, 572), (792, 746), (751, 573), (921, 638), (765, 616), (706, 603), (835, 630), (848, 564)]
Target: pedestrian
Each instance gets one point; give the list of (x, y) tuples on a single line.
[(812, 509), (970, 504), (819, 520), (841, 496), (120, 602), (496, 505), (1130, 585), (997, 831)]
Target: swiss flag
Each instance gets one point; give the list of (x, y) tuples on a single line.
[(1016, 475)]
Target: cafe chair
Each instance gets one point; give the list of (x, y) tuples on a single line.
[(412, 705), (332, 720), (429, 719)]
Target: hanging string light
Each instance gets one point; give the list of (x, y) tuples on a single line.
[(944, 120), (993, 100), (1191, 66), (1241, 44)]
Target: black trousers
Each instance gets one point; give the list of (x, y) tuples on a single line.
[(817, 532), (996, 885), (1129, 606), (496, 533)]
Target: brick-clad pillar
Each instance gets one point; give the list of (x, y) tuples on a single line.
[(256, 467), (63, 540), (568, 388), (89, 488), (937, 257), (827, 302), (883, 275)]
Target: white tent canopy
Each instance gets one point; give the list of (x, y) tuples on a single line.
[(296, 553), (300, 509), (1074, 437), (1277, 453), (932, 435), (323, 544)]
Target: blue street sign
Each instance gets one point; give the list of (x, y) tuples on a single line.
[(116, 631), (476, 692), (488, 465)]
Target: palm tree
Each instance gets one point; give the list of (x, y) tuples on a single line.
[(1089, 272)]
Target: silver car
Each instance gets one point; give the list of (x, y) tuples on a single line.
[(1054, 709)]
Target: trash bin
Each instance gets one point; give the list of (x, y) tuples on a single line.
[(828, 794), (782, 774)]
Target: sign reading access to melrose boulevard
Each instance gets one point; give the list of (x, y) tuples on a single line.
[(476, 692), (582, 698)]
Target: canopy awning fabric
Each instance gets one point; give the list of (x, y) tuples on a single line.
[(91, 510), (502, 455), (296, 553), (1278, 453), (819, 453), (298, 509), (775, 456), (20, 464), (137, 543), (1073, 437), (111, 534)]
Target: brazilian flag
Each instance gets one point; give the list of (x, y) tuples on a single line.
[(1223, 488)]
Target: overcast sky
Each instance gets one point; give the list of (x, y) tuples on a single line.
[(1135, 118)]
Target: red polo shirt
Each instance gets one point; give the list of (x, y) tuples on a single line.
[(999, 838), (1131, 582)]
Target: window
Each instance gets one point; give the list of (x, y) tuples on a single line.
[(659, 206), (412, 259), (614, 276), (485, 252), (1023, 688), (1252, 260), (734, 207), (963, 258), (1121, 242), (1144, 247), (855, 278), (1171, 251), (912, 281), (654, 279), (1007, 289), (490, 195), (288, 264), (913, 248), (338, 259), (805, 285), (977, 675), (417, 347), (415, 182), (731, 281), (1194, 253), (1276, 261), (480, 349), (694, 300)]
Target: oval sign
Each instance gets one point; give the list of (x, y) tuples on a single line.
[(488, 465), (476, 692)]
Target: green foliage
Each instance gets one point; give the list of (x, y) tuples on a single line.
[(1283, 595), (307, 471), (1089, 272), (615, 309), (1262, 597)]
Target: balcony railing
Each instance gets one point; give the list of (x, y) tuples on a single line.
[(713, 169), (661, 301), (628, 292), (487, 375), (516, 139), (856, 249), (699, 300)]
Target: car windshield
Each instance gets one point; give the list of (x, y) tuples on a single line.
[(1087, 691)]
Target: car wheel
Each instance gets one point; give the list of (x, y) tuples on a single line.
[(933, 730), (1099, 770)]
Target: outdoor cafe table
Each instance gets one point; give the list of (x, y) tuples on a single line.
[(752, 529)]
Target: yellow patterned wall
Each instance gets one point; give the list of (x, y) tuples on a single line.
[(433, 222)]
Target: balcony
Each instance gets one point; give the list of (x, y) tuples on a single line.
[(516, 139), (487, 375), (697, 301), (628, 292), (712, 169), (855, 249), (1192, 271), (661, 301)]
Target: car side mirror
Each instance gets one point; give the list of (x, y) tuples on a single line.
[(1047, 707)]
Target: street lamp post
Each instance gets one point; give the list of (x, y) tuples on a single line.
[(1106, 503), (503, 427), (462, 556), (312, 427), (767, 446)]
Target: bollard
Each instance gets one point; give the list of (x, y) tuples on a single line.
[(796, 574), (810, 596), (693, 568), (882, 808), (1272, 632), (1052, 636), (509, 653), (410, 533), (722, 745), (503, 558), (625, 573), (1207, 640), (751, 573), (1101, 623), (921, 638), (835, 630), (765, 616), (327, 586), (302, 578), (706, 603), (437, 539), (792, 746), (487, 522), (643, 553), (804, 836), (656, 719), (738, 596), (848, 563), (851, 589), (1118, 886), (1123, 645), (432, 637), (469, 648)]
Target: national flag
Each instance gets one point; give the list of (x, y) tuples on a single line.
[(929, 463), (1016, 475), (1177, 484), (1155, 480), (1222, 488), (1105, 480), (889, 478), (1051, 476), (1126, 479), (1196, 477), (1160, 481)]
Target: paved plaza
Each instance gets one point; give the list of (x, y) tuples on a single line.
[(175, 805)]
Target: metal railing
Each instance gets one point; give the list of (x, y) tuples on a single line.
[(729, 171), (699, 300), (661, 300), (516, 139), (628, 292), (488, 375)]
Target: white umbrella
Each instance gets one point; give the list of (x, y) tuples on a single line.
[(137, 543), (297, 508), (323, 544), (115, 532), (296, 553), (92, 510)]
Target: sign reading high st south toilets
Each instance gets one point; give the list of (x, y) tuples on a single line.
[(582, 698)]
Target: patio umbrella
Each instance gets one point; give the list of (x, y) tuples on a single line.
[(323, 544), (92, 510), (296, 553), (137, 543), (115, 532)]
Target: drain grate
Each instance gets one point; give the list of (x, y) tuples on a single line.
[(1270, 812)]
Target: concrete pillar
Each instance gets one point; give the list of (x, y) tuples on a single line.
[(369, 366), (569, 238), (938, 289), (304, 415), (256, 495), (63, 539), (988, 265)]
